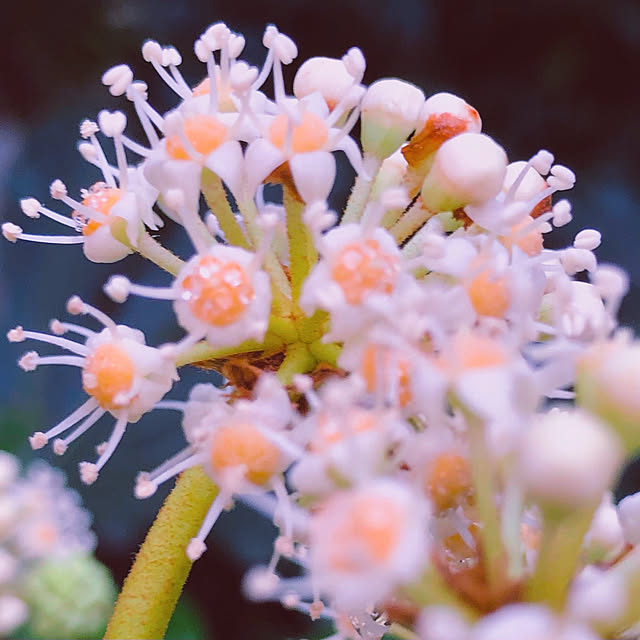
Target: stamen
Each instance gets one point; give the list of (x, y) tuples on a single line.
[(76, 305), (39, 439), (59, 328), (70, 345), (60, 444), (89, 471), (37, 361), (197, 546)]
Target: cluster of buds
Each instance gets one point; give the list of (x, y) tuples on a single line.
[(45, 556), (430, 404)]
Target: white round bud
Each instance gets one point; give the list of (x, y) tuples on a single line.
[(568, 459), (327, 76), (629, 515), (441, 104), (390, 112), (30, 207), (467, 169)]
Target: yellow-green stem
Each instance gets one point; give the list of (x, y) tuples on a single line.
[(302, 251), (147, 247), (361, 191), (216, 198), (324, 352), (153, 586), (204, 351), (298, 359), (410, 222), (432, 590), (482, 476), (558, 555)]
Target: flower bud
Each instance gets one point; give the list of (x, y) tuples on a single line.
[(442, 116), (77, 583), (390, 112), (568, 459), (608, 384), (467, 169), (327, 76), (629, 515)]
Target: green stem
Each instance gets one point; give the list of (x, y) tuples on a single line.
[(204, 351), (432, 590), (216, 198), (628, 570), (324, 352), (147, 247), (558, 555), (279, 281), (152, 250), (482, 475), (360, 192), (302, 250), (298, 359), (410, 222), (153, 586)]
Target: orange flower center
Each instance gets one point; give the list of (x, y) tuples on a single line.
[(310, 135), (205, 133), (244, 445), (472, 351), (108, 371), (531, 243), (362, 268), (489, 296), (100, 198), (447, 480), (217, 291), (368, 535)]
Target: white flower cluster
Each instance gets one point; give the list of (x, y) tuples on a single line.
[(40, 519), (401, 374)]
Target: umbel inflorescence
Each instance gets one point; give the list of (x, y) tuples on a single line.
[(428, 403)]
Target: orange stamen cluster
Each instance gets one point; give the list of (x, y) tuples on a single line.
[(205, 133), (330, 431), (100, 198), (531, 243), (448, 480), (369, 534), (244, 445), (108, 371), (310, 135), (362, 268), (489, 295), (470, 351), (217, 291)]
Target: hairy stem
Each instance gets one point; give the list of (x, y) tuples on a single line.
[(153, 586), (410, 222), (147, 247), (204, 351), (302, 251), (216, 198), (361, 191)]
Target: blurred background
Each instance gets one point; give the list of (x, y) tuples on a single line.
[(548, 74)]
